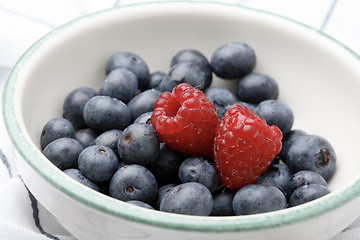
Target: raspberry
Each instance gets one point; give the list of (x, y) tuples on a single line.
[(185, 120), (244, 146)]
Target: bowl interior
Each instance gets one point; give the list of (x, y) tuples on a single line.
[(318, 77)]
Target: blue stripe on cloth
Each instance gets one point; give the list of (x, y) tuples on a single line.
[(328, 15), (5, 162), (117, 2), (35, 208)]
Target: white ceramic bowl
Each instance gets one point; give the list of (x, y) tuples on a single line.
[(318, 77)]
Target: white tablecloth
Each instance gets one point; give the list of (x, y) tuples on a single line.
[(22, 22)]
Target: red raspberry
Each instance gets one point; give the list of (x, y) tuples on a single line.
[(185, 120), (244, 147)]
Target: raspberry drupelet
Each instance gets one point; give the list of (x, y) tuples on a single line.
[(185, 120)]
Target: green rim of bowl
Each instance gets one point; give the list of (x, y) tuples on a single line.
[(111, 206)]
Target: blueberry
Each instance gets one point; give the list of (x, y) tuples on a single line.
[(109, 139), (277, 175), (140, 204), (74, 104), (133, 182), (143, 102), (104, 187), (131, 62), (190, 198), (86, 136), (255, 88), (223, 204), (122, 164), (155, 79), (63, 152), (221, 110), (161, 193), (75, 174), (144, 118), (54, 129), (276, 113), (251, 106), (221, 98), (233, 60), (139, 144), (305, 177), (255, 198), (98, 163), (220, 94), (167, 84), (196, 57), (287, 141), (307, 193), (312, 152), (165, 166), (198, 169), (120, 84), (183, 72), (103, 113)]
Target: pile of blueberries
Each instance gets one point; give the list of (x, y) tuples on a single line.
[(105, 140)]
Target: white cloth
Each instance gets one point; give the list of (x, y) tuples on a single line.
[(23, 22)]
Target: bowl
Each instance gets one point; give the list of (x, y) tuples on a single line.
[(319, 78)]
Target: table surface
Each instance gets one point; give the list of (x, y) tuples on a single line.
[(23, 22)]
